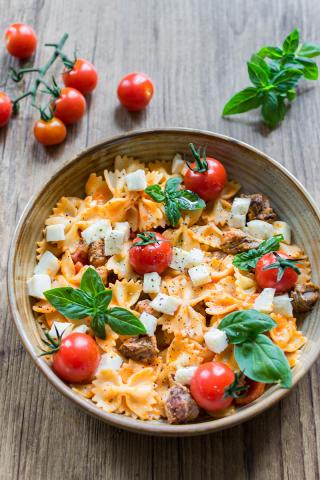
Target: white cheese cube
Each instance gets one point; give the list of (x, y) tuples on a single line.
[(194, 258), (237, 221), (123, 227), (199, 275), (48, 264), (240, 206), (216, 340), (264, 301), (179, 257), (260, 229), (109, 361), (184, 375), (149, 322), (38, 284), (113, 242), (81, 329), (282, 228), (178, 164), (55, 233), (165, 304), (136, 181), (62, 328), (96, 231), (282, 304), (151, 282)]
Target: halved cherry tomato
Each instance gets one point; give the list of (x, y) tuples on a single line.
[(50, 132), (153, 257), (5, 109), (135, 91), (209, 384), (21, 40), (83, 76), (268, 278), (70, 106), (255, 390), (77, 358)]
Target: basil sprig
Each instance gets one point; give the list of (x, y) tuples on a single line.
[(175, 199), (275, 73), (248, 260), (92, 300), (257, 356)]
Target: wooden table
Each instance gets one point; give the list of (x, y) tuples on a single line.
[(195, 51)]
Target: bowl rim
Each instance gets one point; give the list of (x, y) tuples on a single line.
[(121, 421)]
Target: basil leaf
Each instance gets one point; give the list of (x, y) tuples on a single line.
[(287, 79), (310, 68), (70, 302), (258, 76), (172, 212), (245, 324), (172, 185), (248, 260), (309, 50), (189, 200), (263, 361), (155, 192), (243, 101), (258, 60), (124, 322), (91, 282), (272, 52), (98, 325), (273, 109), (102, 300), (291, 42)]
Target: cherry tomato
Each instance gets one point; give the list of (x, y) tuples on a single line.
[(50, 132), (135, 91), (83, 76), (5, 109), (154, 257), (70, 106), (255, 390), (77, 358), (21, 40), (209, 383), (268, 278), (209, 184)]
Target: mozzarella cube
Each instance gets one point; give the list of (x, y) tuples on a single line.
[(260, 229), (55, 233), (149, 322), (48, 264), (282, 228), (282, 304), (61, 328), (165, 304), (264, 301), (179, 257), (178, 164), (237, 221), (113, 242), (109, 361), (194, 258), (123, 227), (151, 282), (136, 181), (216, 340), (38, 284), (200, 275), (184, 375), (96, 231), (240, 206), (81, 329)]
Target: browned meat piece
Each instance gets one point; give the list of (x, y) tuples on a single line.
[(180, 406), (143, 349), (260, 208), (235, 241), (103, 272), (144, 306), (304, 297), (80, 254), (96, 254)]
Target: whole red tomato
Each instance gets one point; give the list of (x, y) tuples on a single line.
[(150, 252), (50, 132), (77, 358), (276, 270), (83, 76), (206, 176), (70, 106), (5, 109), (209, 384), (135, 91), (21, 40)]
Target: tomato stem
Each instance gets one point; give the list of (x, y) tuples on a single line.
[(201, 163)]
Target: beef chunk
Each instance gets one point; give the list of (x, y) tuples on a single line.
[(96, 254), (144, 306), (180, 406), (260, 208), (235, 241), (304, 297), (80, 254), (143, 349)]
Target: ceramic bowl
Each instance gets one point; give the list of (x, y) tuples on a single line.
[(253, 169)]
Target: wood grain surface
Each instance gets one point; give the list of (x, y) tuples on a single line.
[(195, 51)]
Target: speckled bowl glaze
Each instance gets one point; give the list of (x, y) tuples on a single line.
[(252, 168)]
